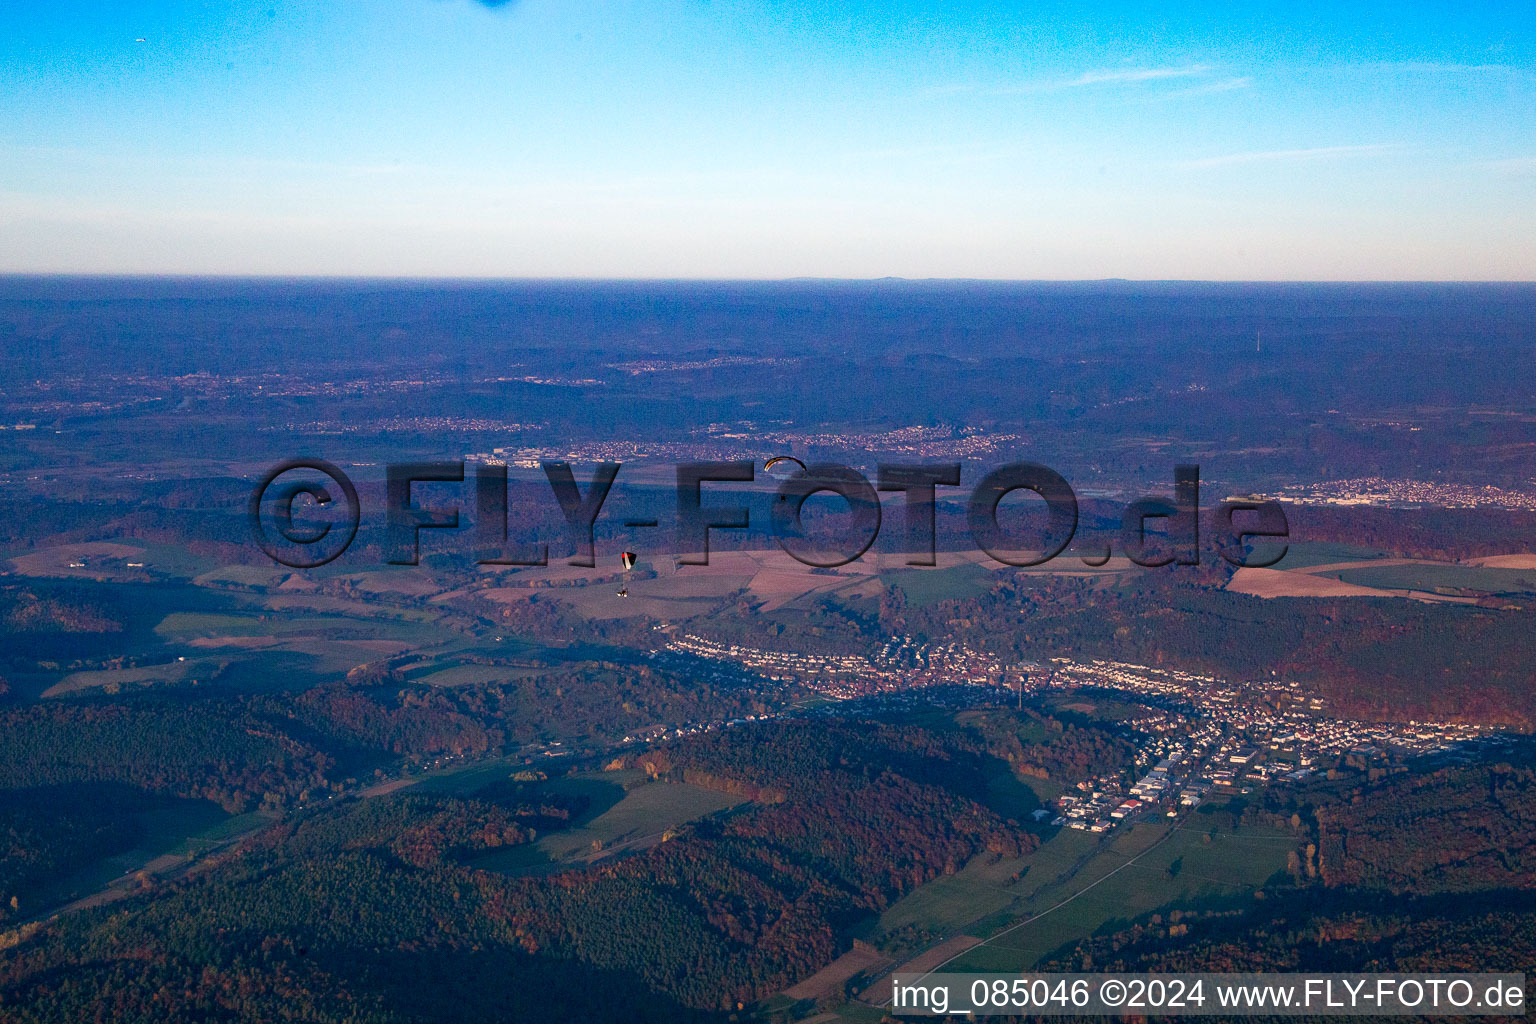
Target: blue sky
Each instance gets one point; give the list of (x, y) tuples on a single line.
[(712, 139)]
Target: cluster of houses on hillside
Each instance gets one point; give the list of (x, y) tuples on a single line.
[(1199, 735), (1275, 713), (1398, 493), (848, 676)]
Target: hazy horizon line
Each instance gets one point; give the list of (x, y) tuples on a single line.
[(114, 275)]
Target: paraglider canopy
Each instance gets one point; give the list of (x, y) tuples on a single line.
[(783, 458), (627, 559)]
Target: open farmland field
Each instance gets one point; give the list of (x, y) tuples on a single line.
[(628, 813), (1280, 583), (168, 835), (1521, 561), (1135, 873), (235, 644), (1307, 554), (831, 979), (924, 587), (143, 675), (951, 903), (187, 626), (465, 674), (93, 560), (258, 576), (1423, 576), (111, 561)]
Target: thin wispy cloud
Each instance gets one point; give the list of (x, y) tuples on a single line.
[(1211, 88), (1129, 76), (1290, 155), (1106, 78)]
